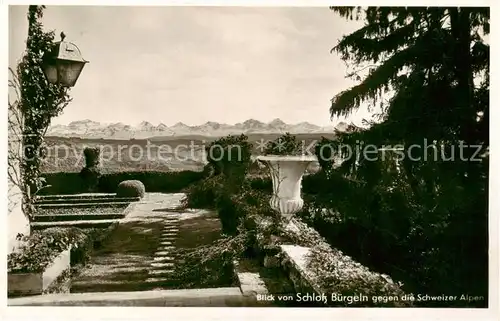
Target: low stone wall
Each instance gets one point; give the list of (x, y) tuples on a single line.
[(324, 274), (36, 283), (293, 262)]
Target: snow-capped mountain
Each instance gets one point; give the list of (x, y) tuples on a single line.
[(91, 129)]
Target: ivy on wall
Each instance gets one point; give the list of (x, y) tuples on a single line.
[(38, 101)]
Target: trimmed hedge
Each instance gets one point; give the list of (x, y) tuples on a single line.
[(166, 182), (64, 183)]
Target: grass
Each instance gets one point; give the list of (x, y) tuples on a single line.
[(121, 264), (198, 231)]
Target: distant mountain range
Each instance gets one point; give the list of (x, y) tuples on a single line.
[(92, 129)]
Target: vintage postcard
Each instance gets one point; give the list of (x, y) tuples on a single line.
[(250, 156)]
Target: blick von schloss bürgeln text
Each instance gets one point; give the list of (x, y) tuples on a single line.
[(358, 299)]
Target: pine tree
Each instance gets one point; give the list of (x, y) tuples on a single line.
[(426, 72)]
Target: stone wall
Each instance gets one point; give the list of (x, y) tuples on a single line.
[(330, 280)]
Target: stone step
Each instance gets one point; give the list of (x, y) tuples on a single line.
[(138, 276), (162, 253), (168, 248), (163, 258), (168, 237), (78, 196), (82, 205), (157, 279), (77, 217), (169, 233), (119, 286), (162, 265), (153, 297), (75, 200), (164, 273), (80, 224)]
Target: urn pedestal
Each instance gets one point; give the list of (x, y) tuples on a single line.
[(286, 174)]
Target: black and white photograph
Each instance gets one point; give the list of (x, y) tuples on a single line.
[(250, 156)]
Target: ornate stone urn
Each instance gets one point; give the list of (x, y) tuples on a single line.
[(286, 174)]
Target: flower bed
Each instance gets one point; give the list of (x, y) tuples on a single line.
[(39, 249), (37, 282), (43, 257)]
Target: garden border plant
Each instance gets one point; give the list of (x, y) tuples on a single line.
[(40, 248)]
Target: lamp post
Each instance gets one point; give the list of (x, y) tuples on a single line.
[(63, 63)]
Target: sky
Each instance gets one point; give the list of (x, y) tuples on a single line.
[(198, 64)]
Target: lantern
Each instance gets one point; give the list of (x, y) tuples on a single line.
[(64, 63)]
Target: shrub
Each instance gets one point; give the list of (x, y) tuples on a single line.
[(132, 188), (203, 194), (228, 179), (154, 181), (235, 208), (284, 145), (197, 266), (230, 156), (39, 249), (260, 183), (91, 155), (63, 183), (91, 172), (90, 178), (94, 238), (164, 182)]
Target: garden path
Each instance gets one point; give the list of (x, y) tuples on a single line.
[(136, 257), (134, 265)]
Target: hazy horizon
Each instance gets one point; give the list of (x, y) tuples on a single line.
[(198, 64), (188, 124)]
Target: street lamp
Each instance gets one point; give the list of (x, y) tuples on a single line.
[(63, 63)]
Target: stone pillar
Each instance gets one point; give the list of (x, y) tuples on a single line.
[(17, 221)]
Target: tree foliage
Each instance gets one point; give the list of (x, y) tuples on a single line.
[(424, 210), (286, 144), (230, 156)]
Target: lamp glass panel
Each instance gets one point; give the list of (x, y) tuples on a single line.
[(50, 72), (69, 71)]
